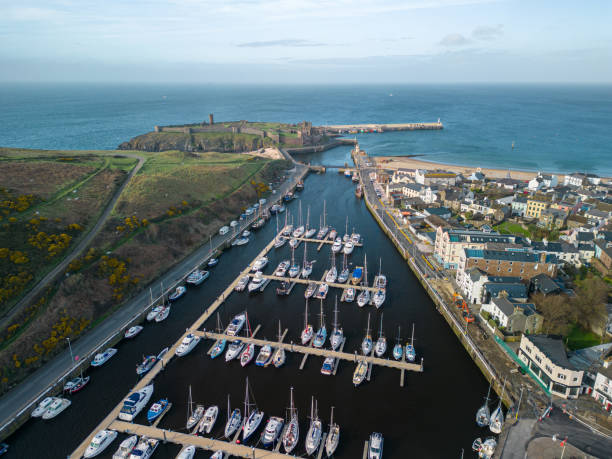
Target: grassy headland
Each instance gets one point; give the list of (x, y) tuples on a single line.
[(50, 198)]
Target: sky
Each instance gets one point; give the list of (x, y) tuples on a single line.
[(306, 41)]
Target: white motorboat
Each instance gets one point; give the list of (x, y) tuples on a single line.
[(279, 241), (272, 431), (100, 442), (154, 312), (333, 437), (163, 314), (380, 281), (279, 358), (375, 446), (187, 452), (133, 331), (242, 283), (252, 415), (126, 447), (257, 282), (331, 275), (313, 437), (328, 366), (348, 295), (187, 345), (42, 407), (145, 448), (76, 384), (217, 455), (259, 264), (236, 324), (282, 268), (197, 277), (322, 291), (379, 298), (103, 357), (56, 407), (195, 417), (348, 247), (247, 354), (233, 350), (264, 356), (234, 420), (135, 402), (178, 292), (332, 235), (240, 241), (337, 245), (292, 433), (208, 420), (246, 233), (363, 298)]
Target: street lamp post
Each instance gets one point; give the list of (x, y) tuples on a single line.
[(70, 347)]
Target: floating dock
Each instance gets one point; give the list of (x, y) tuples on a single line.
[(308, 281), (310, 350)]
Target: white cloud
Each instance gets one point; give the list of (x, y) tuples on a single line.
[(454, 39), (488, 33)]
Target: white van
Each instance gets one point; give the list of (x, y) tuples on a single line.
[(234, 223), (224, 230), (262, 201)]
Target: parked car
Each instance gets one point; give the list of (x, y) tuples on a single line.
[(224, 230)]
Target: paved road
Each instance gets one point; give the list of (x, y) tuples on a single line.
[(36, 385), (83, 243), (578, 435)]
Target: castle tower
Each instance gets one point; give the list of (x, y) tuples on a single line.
[(210, 119)]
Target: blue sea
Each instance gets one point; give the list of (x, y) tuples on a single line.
[(554, 128)]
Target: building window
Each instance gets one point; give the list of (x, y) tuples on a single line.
[(538, 359), (548, 369), (560, 376), (528, 349)]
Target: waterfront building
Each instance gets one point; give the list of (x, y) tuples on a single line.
[(451, 243), (602, 387), (426, 177), (511, 262), (546, 357), (478, 287), (519, 206), (542, 181), (564, 251), (535, 206), (514, 317)]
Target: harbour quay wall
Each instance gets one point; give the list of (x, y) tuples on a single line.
[(483, 364), (319, 148)]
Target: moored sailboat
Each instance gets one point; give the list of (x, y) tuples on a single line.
[(381, 343), (483, 415), (292, 433), (337, 334), (252, 416), (308, 330), (234, 419), (333, 437), (410, 352), (497, 417), (321, 335), (306, 265), (279, 357), (398, 349), (366, 344), (313, 437)]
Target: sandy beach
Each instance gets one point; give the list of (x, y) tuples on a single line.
[(396, 162)]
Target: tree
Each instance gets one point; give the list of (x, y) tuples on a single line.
[(558, 312), (590, 303)]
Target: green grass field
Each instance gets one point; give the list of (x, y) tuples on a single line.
[(512, 228), (579, 338)]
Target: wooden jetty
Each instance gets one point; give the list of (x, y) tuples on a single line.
[(327, 240), (308, 281), (209, 444), (391, 363)]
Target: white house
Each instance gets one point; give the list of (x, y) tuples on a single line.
[(542, 181)]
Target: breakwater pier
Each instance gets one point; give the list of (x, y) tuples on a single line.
[(380, 127)]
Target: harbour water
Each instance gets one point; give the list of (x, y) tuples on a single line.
[(432, 416), (554, 128)]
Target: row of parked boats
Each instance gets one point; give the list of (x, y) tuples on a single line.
[(494, 421)]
